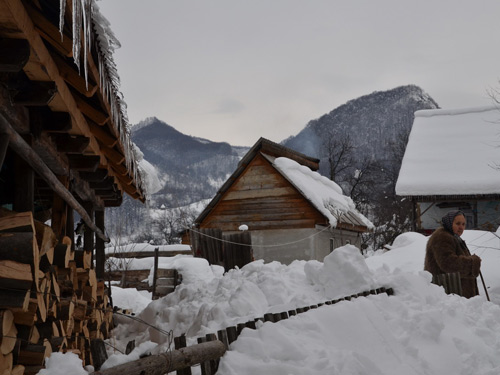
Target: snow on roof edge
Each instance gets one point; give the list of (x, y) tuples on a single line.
[(455, 111)]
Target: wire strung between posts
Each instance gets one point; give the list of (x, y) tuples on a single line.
[(139, 320), (66, 337), (253, 245)]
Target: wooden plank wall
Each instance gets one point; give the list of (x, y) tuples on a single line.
[(262, 199), (227, 250)]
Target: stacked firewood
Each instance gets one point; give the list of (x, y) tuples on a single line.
[(50, 299)]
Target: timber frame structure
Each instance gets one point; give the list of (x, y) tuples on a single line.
[(64, 138)]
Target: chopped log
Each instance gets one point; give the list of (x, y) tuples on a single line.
[(18, 370), (34, 355), (8, 333), (42, 307), (172, 361), (35, 336), (6, 362), (80, 309), (22, 221), (98, 352), (19, 247), (58, 343), (62, 253), (83, 259), (14, 275), (65, 310), (28, 317), (10, 299), (9, 340), (46, 240)]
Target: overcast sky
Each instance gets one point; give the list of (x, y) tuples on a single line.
[(237, 70)]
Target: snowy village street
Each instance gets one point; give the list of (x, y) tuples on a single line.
[(249, 187), (418, 330)]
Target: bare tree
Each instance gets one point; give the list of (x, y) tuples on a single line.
[(360, 184), (339, 151)]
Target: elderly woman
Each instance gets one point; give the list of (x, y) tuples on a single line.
[(446, 252)]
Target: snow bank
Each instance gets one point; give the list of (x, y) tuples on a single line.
[(63, 364), (419, 330)]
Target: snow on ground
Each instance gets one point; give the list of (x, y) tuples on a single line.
[(418, 330)]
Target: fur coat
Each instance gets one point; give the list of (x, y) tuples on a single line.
[(446, 253)]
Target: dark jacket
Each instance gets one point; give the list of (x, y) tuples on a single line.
[(446, 253)]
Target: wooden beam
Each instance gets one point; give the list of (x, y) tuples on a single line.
[(14, 54), (4, 144), (50, 32), (24, 181), (74, 78), (105, 184), (98, 175), (58, 222), (172, 361), (49, 121), (25, 23), (20, 146), (117, 202), (92, 111), (102, 134), (112, 154), (88, 236), (73, 144), (100, 256), (36, 93), (87, 163)]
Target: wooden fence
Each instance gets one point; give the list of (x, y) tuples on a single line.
[(164, 280), (230, 334), (227, 250)]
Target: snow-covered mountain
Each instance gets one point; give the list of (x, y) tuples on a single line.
[(374, 123), (190, 168)]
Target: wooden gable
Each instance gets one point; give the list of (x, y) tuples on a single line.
[(261, 198)]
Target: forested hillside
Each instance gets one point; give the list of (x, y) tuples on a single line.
[(360, 145)]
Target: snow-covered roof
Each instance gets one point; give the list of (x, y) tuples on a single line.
[(452, 153), (324, 194)]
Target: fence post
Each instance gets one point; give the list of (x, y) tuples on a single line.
[(155, 272), (180, 342)]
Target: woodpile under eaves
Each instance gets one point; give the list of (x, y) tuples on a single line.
[(50, 299)]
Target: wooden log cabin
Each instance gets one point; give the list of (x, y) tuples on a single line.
[(64, 150), (290, 210)]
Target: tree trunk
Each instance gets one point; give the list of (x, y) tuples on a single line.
[(170, 361)]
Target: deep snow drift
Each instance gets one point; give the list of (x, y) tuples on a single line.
[(419, 330)]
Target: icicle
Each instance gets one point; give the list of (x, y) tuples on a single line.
[(77, 25), (62, 11)]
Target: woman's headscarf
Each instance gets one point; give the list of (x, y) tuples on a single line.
[(447, 220)]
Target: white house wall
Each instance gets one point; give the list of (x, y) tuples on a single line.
[(299, 244)]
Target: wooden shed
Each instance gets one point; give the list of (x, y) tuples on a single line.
[(64, 150), (291, 213)]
